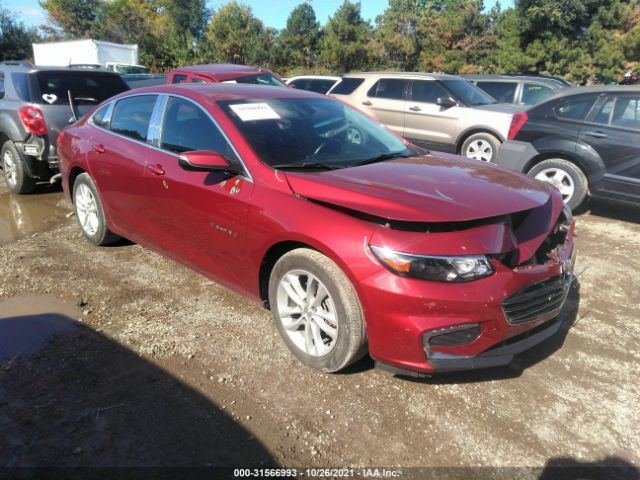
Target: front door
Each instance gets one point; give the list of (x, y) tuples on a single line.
[(198, 217)]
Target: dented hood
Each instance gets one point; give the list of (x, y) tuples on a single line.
[(423, 189)]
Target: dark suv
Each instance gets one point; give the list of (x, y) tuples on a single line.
[(521, 90), (34, 108), (585, 140)]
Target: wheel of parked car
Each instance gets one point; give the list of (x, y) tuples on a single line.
[(316, 310), (14, 170), (90, 213), (566, 177), (481, 146)]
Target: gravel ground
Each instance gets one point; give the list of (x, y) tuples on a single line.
[(164, 367)]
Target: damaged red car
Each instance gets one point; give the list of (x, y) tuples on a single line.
[(358, 241)]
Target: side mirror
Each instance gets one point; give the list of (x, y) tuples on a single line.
[(204, 161), (445, 102)]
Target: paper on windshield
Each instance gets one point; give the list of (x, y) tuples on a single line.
[(254, 111)]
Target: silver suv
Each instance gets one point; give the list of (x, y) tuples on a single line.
[(34, 108), (437, 111)]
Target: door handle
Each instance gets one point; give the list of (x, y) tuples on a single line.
[(367, 103), (99, 148), (596, 134), (415, 108), (156, 168)]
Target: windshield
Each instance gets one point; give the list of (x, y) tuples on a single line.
[(259, 79), (297, 132), (131, 70), (468, 93), (85, 87)]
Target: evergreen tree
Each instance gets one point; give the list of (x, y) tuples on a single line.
[(298, 42)]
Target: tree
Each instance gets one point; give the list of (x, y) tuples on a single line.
[(15, 38), (297, 44), (188, 16), (235, 35), (76, 18), (346, 42), (397, 38)]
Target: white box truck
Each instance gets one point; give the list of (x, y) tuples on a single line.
[(114, 56)]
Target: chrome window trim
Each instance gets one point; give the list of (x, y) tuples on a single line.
[(245, 175)]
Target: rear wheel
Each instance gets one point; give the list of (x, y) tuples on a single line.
[(15, 172), (90, 213), (566, 177), (481, 146), (317, 311)]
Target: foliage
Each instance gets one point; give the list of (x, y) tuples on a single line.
[(15, 38), (298, 42)]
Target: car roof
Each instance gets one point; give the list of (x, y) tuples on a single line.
[(433, 76), (314, 77), (221, 71), (226, 91), (26, 68), (546, 80), (598, 89)]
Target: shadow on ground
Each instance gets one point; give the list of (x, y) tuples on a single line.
[(85, 400)]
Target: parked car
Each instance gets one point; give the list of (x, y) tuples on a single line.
[(313, 83), (520, 90), (34, 108), (440, 112), (585, 141), (431, 261), (224, 73)]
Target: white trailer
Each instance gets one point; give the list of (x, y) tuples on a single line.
[(85, 52)]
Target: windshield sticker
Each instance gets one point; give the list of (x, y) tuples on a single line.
[(50, 98), (254, 111)]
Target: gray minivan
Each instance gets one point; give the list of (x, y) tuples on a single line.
[(34, 108)]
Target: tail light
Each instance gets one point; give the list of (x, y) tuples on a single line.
[(33, 120), (517, 122)]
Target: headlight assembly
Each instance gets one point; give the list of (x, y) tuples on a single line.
[(436, 268)]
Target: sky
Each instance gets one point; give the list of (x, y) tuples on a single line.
[(273, 13)]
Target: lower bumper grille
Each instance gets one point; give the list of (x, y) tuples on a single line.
[(539, 301)]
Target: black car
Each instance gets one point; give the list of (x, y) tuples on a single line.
[(34, 108), (586, 141), (517, 89)]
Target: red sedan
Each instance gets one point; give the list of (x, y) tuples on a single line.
[(357, 240)]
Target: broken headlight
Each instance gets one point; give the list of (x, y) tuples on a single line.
[(436, 268)]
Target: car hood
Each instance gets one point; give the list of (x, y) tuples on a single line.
[(423, 189)]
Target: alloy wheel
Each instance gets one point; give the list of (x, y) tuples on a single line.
[(10, 168), (307, 313), (87, 210), (560, 179), (479, 150)]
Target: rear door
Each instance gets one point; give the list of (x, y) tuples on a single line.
[(427, 123), (613, 130), (385, 101), (117, 159)]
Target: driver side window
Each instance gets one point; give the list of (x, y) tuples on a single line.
[(187, 127)]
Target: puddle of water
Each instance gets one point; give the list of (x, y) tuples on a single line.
[(22, 215), (28, 322)]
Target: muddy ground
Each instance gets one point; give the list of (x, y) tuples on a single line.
[(118, 356)]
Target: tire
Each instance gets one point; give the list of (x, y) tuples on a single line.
[(566, 176), (89, 212), (15, 172), (481, 146), (334, 344)]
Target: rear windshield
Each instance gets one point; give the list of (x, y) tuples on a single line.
[(260, 79), (346, 86), (85, 88)]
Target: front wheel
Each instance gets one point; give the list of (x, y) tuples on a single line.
[(317, 311), (89, 212), (566, 177), (481, 146)]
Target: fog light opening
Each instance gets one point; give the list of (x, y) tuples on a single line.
[(450, 336)]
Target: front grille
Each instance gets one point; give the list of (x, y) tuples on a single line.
[(538, 301)]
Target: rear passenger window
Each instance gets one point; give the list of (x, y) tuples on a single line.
[(533, 93), (604, 112), (187, 127), (131, 116), (179, 78), (503, 92), (347, 86), (627, 113), (391, 88), (574, 108), (427, 91), (21, 85)]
